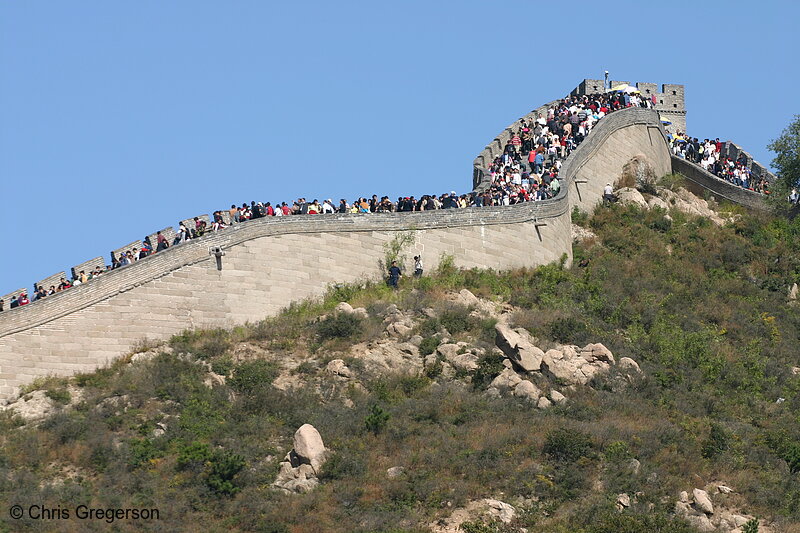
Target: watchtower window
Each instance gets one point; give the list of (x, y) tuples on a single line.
[(674, 105), (647, 91), (674, 92), (594, 87), (662, 101)]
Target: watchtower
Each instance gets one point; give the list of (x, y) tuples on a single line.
[(669, 101)]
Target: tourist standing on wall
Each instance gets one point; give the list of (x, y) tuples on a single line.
[(417, 266)]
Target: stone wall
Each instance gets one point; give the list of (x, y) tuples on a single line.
[(700, 180), (670, 100), (54, 280), (480, 176), (267, 265), (7, 298), (614, 141), (732, 150), (88, 266)]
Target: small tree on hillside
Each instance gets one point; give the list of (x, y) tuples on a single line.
[(787, 161)]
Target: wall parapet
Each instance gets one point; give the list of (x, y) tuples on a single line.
[(732, 150), (718, 186), (196, 250)]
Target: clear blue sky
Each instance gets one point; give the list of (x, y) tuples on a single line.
[(120, 118)]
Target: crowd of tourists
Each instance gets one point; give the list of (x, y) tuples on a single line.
[(527, 170), (708, 154)]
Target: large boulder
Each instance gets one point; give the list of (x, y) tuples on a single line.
[(702, 502), (308, 446), (526, 389), (517, 345), (299, 469), (33, 407), (500, 510), (574, 365), (298, 480), (506, 380), (638, 172), (337, 367), (629, 195)]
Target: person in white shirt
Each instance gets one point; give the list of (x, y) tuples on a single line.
[(608, 193)]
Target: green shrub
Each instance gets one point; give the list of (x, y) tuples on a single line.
[(568, 330), (60, 396), (428, 345), (222, 471), (489, 367), (456, 319), (617, 451), (222, 365), (342, 465), (567, 445), (217, 467), (340, 326), (142, 451), (614, 522), (250, 376), (377, 419), (717, 442), (751, 526), (792, 457), (192, 455), (581, 218), (434, 370), (67, 426)]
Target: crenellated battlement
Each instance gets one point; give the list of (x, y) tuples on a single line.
[(670, 98)]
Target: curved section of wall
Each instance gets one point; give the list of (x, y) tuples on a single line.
[(700, 179), (271, 262), (616, 139)]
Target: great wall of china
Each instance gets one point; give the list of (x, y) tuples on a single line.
[(265, 266)]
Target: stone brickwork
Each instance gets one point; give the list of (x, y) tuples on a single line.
[(129, 247), (700, 180), (267, 265), (615, 140), (88, 266), (265, 268), (55, 279), (190, 224), (670, 100), (757, 170), (7, 299), (167, 232)]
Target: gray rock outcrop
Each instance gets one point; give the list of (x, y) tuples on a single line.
[(301, 466), (517, 345), (575, 365)]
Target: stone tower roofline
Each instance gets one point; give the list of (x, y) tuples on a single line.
[(670, 98)]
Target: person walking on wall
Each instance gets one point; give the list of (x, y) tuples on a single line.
[(417, 266), (394, 275)]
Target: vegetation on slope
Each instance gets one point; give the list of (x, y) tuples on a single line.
[(703, 309)]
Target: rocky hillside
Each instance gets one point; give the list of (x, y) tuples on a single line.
[(650, 387)]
